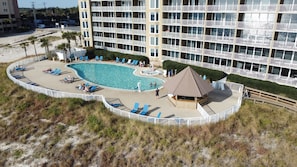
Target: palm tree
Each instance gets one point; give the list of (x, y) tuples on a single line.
[(69, 36), (24, 45), (32, 40), (45, 43)]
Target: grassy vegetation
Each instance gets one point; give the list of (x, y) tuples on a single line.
[(72, 131)]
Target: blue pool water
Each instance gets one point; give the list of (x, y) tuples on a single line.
[(115, 76)]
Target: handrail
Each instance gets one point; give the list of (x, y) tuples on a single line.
[(162, 121), (265, 97)]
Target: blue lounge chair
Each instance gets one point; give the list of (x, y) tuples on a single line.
[(123, 60), (135, 62), (115, 105), (135, 108), (86, 58), (144, 111), (93, 89), (81, 58), (101, 58), (57, 72), (96, 58), (53, 71), (159, 115), (20, 68), (117, 59)]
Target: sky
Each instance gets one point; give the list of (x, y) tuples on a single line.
[(47, 3)]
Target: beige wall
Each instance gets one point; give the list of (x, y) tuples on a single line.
[(87, 41)]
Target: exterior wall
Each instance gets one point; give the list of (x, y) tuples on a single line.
[(85, 23), (256, 39), (9, 15)]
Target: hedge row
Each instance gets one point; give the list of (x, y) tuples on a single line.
[(108, 55), (212, 75)]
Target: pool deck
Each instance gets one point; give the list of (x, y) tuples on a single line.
[(218, 100)]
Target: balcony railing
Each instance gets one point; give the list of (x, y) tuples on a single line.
[(214, 38), (172, 21), (196, 8), (191, 50), (285, 45), (254, 42), (172, 8), (250, 58), (139, 43), (283, 63), (222, 24), (107, 29), (256, 7), (227, 8), (138, 8), (286, 26), (284, 8), (139, 20), (257, 25), (171, 34), (188, 22), (170, 47), (217, 53), (102, 8), (123, 31), (188, 36), (138, 32), (125, 41), (123, 8), (124, 20)]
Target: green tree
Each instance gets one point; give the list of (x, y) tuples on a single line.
[(24, 45), (69, 36), (32, 40), (45, 44)]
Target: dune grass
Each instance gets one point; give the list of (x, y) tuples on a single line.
[(63, 132)]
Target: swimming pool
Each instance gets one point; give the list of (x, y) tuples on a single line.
[(115, 76)]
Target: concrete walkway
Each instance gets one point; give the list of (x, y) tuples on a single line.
[(219, 100)]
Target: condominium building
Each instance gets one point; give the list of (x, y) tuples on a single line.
[(252, 38), (9, 15)]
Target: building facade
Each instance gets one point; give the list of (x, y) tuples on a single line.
[(252, 38), (9, 15)]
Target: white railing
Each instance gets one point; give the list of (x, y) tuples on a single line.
[(163, 121)]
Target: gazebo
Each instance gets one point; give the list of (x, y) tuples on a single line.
[(188, 88)]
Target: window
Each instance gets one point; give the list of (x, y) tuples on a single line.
[(154, 52), (154, 16), (154, 29), (154, 4), (154, 40)]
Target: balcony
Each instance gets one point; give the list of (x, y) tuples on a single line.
[(249, 73), (138, 8), (123, 20), (123, 31), (172, 21), (283, 80), (139, 20), (220, 24), (259, 42), (250, 58), (139, 53), (167, 8), (191, 50), (187, 22), (286, 27), (107, 29), (140, 43), (138, 32), (285, 45), (284, 8), (194, 8), (222, 8), (223, 39), (255, 25), (170, 47), (196, 37), (124, 41), (107, 19), (104, 39), (217, 53), (170, 34), (102, 8), (283, 63), (123, 8), (256, 7)]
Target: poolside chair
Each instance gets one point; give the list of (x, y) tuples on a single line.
[(57, 72), (117, 59), (115, 105), (123, 60), (20, 68), (144, 111), (101, 58), (81, 58), (135, 108), (159, 115), (93, 89), (129, 61), (96, 58), (135, 62), (86, 58)]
